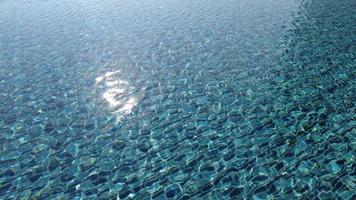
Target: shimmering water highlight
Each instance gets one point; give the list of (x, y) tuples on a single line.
[(177, 99)]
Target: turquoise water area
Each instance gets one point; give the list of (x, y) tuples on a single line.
[(177, 99)]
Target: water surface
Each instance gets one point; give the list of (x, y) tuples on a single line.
[(177, 99)]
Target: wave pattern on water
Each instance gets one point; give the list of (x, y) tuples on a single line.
[(177, 99)]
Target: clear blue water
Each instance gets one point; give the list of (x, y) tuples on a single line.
[(177, 99)]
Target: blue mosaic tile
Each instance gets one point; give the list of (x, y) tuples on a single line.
[(230, 99)]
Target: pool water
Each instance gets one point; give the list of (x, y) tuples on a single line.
[(177, 99)]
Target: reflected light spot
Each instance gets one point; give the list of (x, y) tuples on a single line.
[(109, 74), (117, 82), (99, 79), (117, 93), (110, 96), (129, 105)]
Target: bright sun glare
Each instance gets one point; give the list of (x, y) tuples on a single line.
[(117, 93)]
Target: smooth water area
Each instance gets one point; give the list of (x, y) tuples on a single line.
[(177, 99)]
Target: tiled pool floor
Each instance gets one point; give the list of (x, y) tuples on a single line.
[(177, 99)]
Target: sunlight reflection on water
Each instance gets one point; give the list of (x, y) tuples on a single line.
[(118, 93)]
